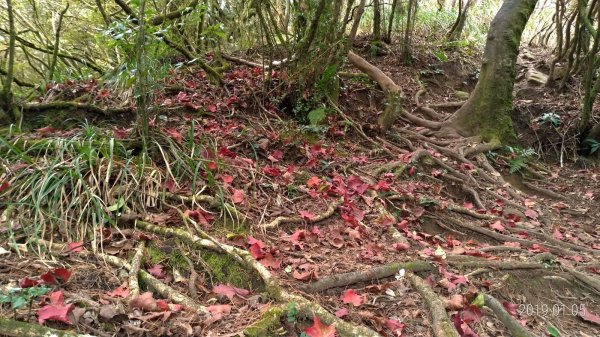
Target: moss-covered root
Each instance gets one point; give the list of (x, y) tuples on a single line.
[(268, 324), (272, 287), (379, 272), (152, 282), (134, 286), (442, 327), (12, 328), (516, 329)]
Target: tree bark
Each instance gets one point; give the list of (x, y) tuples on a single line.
[(459, 24), (6, 96), (56, 44), (486, 112)]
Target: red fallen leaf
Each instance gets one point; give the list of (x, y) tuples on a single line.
[(271, 171), (256, 248), (357, 184), (382, 185), (225, 152), (170, 185), (436, 173), (314, 181), (227, 179), (462, 327), (319, 329), (395, 326), (4, 186), (75, 247), (276, 156), (166, 306), (211, 108), (498, 226), (173, 133), (412, 171), (212, 166), (472, 314), (121, 291), (271, 261), (144, 301), (229, 291), (27, 283), (589, 195), (56, 310), (217, 311), (238, 196), (200, 216), (57, 276), (531, 214), (576, 258), (588, 316), (468, 205), (557, 234), (510, 307), (45, 130), (341, 312), (351, 297), (157, 271), (306, 215), (401, 246)]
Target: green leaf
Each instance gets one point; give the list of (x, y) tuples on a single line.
[(552, 331), (37, 291), (120, 203), (479, 301), (441, 55), (18, 302), (316, 116)]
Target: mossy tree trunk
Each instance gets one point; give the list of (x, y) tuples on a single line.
[(486, 112), (7, 111), (376, 23), (458, 26)]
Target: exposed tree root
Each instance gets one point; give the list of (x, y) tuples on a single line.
[(431, 113), (558, 243), (466, 261), (213, 202), (507, 238), (379, 272), (272, 287), (164, 290), (292, 220), (591, 282), (393, 92), (59, 105), (441, 324), (134, 286), (516, 329), (13, 328)]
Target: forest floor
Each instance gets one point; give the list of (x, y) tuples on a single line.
[(336, 217)]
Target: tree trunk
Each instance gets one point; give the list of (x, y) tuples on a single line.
[(388, 35), (6, 96), (56, 44), (486, 112), (459, 24), (376, 21)]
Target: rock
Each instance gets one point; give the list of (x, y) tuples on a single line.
[(535, 77), (559, 72), (461, 95)]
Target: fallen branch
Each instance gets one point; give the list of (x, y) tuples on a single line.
[(515, 328), (294, 220), (134, 286), (441, 324), (379, 272)]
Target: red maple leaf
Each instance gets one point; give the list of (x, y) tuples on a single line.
[(497, 226), (531, 214), (4, 186), (351, 297), (157, 271), (227, 179), (357, 184), (395, 326), (314, 181), (57, 276), (76, 247), (510, 307), (238, 196), (306, 215), (121, 291), (588, 316), (56, 310), (229, 291), (271, 171), (27, 283), (319, 329), (256, 248)]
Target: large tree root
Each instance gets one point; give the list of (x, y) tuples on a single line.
[(272, 286), (441, 324), (61, 105), (379, 272), (516, 329), (13, 328)]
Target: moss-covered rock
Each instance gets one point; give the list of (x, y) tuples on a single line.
[(225, 270)]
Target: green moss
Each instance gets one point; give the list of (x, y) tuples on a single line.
[(167, 256), (269, 325), (225, 270)]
